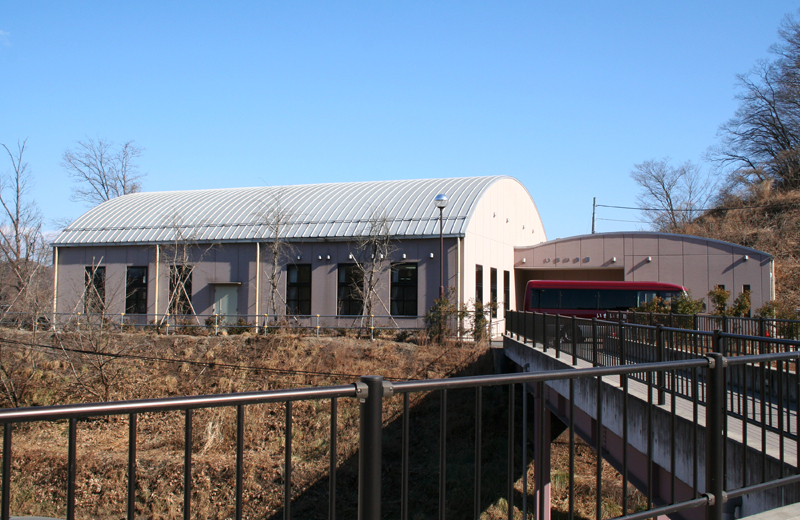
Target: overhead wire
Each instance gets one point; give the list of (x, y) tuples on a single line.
[(703, 209)]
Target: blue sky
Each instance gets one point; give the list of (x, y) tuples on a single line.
[(564, 96)]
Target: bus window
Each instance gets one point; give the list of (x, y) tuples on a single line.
[(579, 299), (669, 296), (533, 299), (549, 299), (614, 300), (645, 297)]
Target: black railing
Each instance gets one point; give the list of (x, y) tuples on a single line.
[(760, 395), (708, 478), (748, 326)]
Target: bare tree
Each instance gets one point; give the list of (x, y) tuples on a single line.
[(23, 252), (180, 257), (278, 250), (373, 251), (761, 142), (102, 171), (671, 196)]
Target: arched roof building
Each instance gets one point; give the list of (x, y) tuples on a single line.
[(202, 252), (129, 246), (334, 211)]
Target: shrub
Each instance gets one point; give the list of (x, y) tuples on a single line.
[(719, 298)]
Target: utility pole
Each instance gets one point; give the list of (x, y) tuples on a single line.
[(594, 213)]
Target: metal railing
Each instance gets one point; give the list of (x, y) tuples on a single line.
[(762, 392), (749, 326), (708, 489), (315, 324)]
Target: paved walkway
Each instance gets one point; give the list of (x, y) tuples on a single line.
[(757, 437)]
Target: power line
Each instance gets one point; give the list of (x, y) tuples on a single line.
[(631, 221), (793, 203)]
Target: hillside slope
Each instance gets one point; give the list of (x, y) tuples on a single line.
[(769, 222)]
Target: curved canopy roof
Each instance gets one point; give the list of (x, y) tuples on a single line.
[(304, 212)]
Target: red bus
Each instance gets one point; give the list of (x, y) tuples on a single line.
[(589, 299)]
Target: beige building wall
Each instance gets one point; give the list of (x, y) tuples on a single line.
[(696, 263), (505, 217)]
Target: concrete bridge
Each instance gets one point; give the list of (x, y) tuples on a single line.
[(652, 428)]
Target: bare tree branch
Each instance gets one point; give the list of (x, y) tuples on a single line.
[(101, 171), (671, 196)]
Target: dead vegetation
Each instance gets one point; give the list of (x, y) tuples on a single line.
[(768, 221), (207, 365)]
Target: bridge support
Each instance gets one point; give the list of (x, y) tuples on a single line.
[(541, 473)]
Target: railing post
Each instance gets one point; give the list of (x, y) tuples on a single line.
[(717, 344), (524, 328), (574, 342), (372, 328), (715, 413), (544, 332), (317, 325), (370, 448), (558, 336), (621, 342), (761, 326), (594, 341), (660, 376)]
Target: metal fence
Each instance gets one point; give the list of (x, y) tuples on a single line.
[(763, 392), (214, 324), (709, 487), (749, 326)]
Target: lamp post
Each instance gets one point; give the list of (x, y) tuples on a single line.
[(441, 201)]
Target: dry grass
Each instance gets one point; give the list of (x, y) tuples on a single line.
[(773, 227), (39, 466)]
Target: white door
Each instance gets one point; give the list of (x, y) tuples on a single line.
[(226, 301)]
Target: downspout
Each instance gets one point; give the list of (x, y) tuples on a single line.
[(458, 272), (55, 287), (772, 279), (258, 281), (158, 261)]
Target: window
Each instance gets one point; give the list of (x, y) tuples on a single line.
[(506, 290), (404, 290), (746, 288), (349, 302), (493, 289), (479, 283), (298, 289), (94, 297), (136, 290), (180, 289)]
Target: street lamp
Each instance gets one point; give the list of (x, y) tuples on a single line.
[(441, 201)]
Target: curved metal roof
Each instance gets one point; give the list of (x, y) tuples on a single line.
[(307, 212)]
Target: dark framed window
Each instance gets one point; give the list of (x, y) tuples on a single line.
[(180, 289), (506, 290), (298, 289), (493, 290), (404, 289), (136, 290), (479, 283), (94, 296), (746, 288), (349, 290)]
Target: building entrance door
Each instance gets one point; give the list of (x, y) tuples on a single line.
[(226, 301)]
